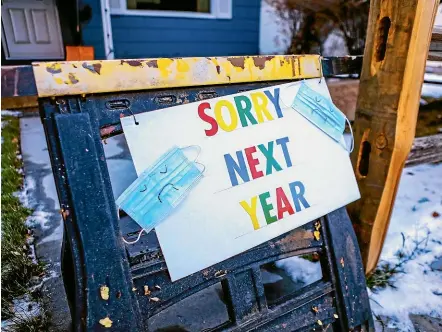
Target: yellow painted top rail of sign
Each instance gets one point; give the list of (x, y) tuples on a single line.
[(85, 77)]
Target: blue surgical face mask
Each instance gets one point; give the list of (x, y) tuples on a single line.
[(160, 188), (320, 111)]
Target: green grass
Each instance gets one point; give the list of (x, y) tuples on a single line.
[(17, 268), (386, 273)]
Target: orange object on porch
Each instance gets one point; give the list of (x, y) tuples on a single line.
[(78, 53)]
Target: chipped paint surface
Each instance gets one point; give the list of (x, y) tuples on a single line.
[(106, 322), (84, 77), (104, 292), (316, 232)]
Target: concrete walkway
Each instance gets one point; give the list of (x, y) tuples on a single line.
[(46, 220)]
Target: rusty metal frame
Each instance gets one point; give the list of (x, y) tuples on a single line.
[(85, 77), (96, 256), (19, 83)]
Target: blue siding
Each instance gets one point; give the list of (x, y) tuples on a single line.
[(147, 36), (93, 30)]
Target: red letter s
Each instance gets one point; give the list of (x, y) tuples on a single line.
[(206, 118)]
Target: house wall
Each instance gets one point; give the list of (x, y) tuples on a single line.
[(147, 36), (92, 32)]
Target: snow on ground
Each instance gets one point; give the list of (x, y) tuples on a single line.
[(301, 270), (40, 195), (416, 217), (11, 113), (432, 90), (23, 195), (431, 77), (25, 308), (39, 219)]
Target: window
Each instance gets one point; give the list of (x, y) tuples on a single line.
[(219, 9), (198, 6)]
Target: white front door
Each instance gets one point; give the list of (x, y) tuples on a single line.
[(31, 30)]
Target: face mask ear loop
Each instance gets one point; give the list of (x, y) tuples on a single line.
[(138, 238), (139, 234), (204, 166), (352, 137), (288, 86), (194, 146), (196, 158)]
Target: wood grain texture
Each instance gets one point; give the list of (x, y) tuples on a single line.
[(386, 112), (427, 149)]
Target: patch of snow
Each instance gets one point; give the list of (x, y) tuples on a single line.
[(48, 275), (50, 191), (301, 270), (4, 123), (56, 235), (24, 308), (431, 90), (438, 19), (11, 113), (23, 195), (418, 289), (433, 77), (39, 219)]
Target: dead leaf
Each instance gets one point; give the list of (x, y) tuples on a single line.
[(319, 322), (336, 316), (315, 310), (157, 287), (436, 214), (106, 322), (317, 225), (342, 261), (15, 140), (64, 213), (146, 290), (317, 235), (134, 289), (154, 299), (104, 292)]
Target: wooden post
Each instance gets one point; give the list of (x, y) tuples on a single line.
[(398, 39)]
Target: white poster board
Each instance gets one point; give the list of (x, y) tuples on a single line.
[(305, 175)]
